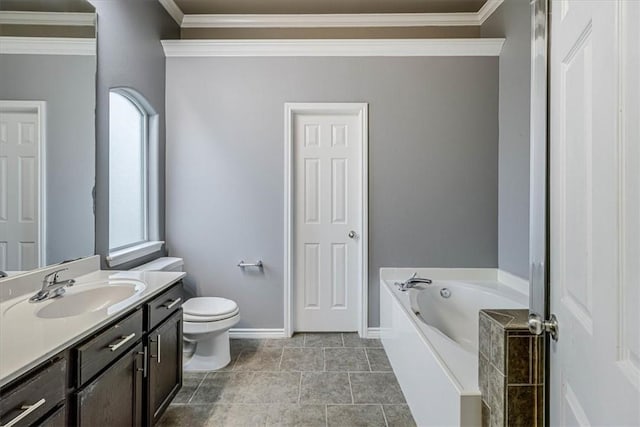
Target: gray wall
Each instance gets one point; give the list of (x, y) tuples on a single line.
[(67, 84), (433, 166), (129, 54), (512, 20)]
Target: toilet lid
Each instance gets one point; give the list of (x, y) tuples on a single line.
[(209, 307), (205, 319)]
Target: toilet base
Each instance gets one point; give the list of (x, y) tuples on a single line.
[(211, 353)]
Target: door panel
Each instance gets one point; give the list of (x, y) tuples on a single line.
[(114, 398), (165, 365), (327, 203), (594, 174), (19, 191)]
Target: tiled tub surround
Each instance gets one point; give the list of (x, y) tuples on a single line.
[(511, 370), (26, 340), (432, 345), (307, 380)]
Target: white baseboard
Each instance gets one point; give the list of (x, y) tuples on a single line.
[(239, 333), (513, 281), (373, 332), (256, 333)]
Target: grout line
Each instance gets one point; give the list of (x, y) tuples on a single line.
[(300, 388), (280, 362), (350, 388), (324, 359), (198, 388), (531, 350), (326, 415), (235, 362), (386, 422), (366, 354), (304, 340), (342, 336)]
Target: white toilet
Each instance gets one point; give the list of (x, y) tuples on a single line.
[(206, 324)]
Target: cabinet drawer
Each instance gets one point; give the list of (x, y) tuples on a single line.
[(162, 306), (34, 397), (95, 354)]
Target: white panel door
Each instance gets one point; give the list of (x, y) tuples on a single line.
[(595, 212), (19, 190), (327, 205)]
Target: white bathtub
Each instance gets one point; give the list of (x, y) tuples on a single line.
[(432, 341)]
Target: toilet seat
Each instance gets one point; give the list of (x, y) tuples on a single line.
[(209, 309)]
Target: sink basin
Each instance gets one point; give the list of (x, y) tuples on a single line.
[(109, 296)]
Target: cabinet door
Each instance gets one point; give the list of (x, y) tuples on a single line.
[(165, 365), (114, 398)]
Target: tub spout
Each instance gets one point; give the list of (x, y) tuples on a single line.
[(412, 281)]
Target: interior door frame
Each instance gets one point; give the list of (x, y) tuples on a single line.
[(362, 110), (39, 108)]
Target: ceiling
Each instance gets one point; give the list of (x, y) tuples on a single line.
[(189, 7)]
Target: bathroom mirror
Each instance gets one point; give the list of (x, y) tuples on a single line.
[(47, 131)]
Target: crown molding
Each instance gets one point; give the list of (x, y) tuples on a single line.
[(172, 8), (47, 46), (336, 20), (333, 47), (351, 20), (80, 19), (487, 10)]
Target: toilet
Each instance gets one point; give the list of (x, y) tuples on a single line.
[(206, 324)]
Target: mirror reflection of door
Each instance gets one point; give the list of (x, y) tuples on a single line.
[(21, 193), (47, 132)]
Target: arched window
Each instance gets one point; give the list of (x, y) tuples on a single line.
[(131, 123)]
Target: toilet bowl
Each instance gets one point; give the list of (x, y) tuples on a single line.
[(205, 326)]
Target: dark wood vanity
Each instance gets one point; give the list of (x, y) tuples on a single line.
[(126, 374)]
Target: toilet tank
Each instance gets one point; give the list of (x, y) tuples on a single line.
[(162, 264)]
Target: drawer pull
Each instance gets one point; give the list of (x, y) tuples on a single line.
[(28, 409), (124, 340), (173, 303)]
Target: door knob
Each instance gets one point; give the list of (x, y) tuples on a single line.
[(352, 234)]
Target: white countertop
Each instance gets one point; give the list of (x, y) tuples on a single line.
[(27, 340)]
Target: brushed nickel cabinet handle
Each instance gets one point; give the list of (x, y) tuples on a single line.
[(158, 341), (172, 303), (28, 409), (123, 341), (143, 353)]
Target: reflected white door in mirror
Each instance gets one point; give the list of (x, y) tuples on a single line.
[(22, 185)]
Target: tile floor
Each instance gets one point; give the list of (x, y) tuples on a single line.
[(307, 380)]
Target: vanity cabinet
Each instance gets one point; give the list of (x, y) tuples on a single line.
[(164, 346), (125, 374), (114, 398)]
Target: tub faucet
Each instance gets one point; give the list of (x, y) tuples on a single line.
[(51, 287), (412, 281)]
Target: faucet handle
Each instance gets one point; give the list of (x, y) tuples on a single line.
[(53, 274)]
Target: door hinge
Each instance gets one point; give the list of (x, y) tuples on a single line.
[(537, 326)]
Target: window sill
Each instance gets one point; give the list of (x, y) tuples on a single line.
[(130, 254)]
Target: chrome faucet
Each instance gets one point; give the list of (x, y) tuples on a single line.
[(51, 287), (411, 282)]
